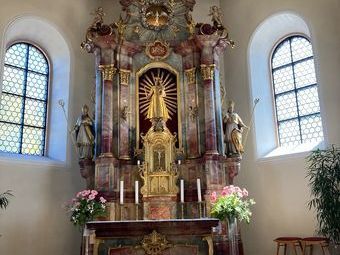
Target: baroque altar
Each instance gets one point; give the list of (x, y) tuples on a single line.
[(158, 119)]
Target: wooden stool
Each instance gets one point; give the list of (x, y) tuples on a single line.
[(310, 241), (288, 241)]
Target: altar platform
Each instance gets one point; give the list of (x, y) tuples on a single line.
[(149, 237)]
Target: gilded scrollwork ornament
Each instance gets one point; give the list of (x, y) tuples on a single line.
[(174, 29), (157, 15), (172, 3), (98, 17), (209, 240), (190, 24), (155, 243), (157, 50), (120, 26)]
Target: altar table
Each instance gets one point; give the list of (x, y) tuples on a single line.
[(161, 237)]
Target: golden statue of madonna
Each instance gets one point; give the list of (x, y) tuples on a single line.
[(158, 94), (157, 107)]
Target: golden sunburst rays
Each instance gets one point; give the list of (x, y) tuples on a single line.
[(167, 82)]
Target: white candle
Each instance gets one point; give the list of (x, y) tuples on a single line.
[(199, 194), (136, 192), (121, 193), (179, 162), (182, 191), (138, 162)]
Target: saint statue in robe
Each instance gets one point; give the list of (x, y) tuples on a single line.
[(157, 107), (233, 132), (84, 134)]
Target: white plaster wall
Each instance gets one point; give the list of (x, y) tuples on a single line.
[(278, 184), (35, 221)]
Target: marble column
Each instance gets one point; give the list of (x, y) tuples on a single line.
[(206, 45), (124, 118), (98, 104), (106, 164), (126, 51), (187, 50), (192, 115), (108, 72), (207, 72)]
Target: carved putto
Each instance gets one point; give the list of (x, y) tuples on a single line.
[(216, 17)]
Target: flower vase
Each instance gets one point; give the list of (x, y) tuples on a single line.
[(232, 235), (82, 230)]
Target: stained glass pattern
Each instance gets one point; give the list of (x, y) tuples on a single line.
[(23, 106), (296, 92)]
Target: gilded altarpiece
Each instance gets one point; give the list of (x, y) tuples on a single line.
[(158, 118)]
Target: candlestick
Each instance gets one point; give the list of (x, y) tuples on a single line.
[(121, 193), (136, 211), (182, 190), (199, 194), (200, 209), (136, 192), (182, 210)]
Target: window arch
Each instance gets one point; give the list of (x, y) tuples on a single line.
[(23, 107), (295, 89), (274, 28)]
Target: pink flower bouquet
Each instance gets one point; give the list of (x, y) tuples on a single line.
[(231, 202), (86, 206)]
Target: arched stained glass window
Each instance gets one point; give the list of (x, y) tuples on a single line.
[(296, 92), (23, 106)]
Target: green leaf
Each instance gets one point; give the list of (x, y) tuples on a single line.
[(4, 199), (324, 180)]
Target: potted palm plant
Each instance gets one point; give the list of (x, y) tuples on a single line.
[(324, 181), (4, 199)]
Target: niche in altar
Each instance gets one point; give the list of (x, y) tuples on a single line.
[(158, 131)]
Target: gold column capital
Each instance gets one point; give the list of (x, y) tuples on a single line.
[(108, 72), (191, 75), (124, 76), (207, 71)]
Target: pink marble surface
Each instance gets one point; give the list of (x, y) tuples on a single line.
[(210, 121), (107, 117)]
